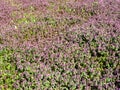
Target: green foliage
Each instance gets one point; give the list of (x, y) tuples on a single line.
[(50, 21), (7, 69), (27, 18), (64, 8), (1, 40)]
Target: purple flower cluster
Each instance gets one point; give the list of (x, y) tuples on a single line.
[(74, 47), (37, 4), (5, 13)]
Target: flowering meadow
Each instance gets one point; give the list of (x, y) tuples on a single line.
[(59, 44)]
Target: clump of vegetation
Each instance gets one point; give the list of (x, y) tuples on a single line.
[(60, 45)]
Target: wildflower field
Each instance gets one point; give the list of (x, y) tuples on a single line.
[(59, 44)]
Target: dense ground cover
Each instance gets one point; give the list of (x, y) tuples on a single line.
[(59, 45)]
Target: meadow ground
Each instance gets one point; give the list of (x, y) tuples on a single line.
[(59, 44)]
